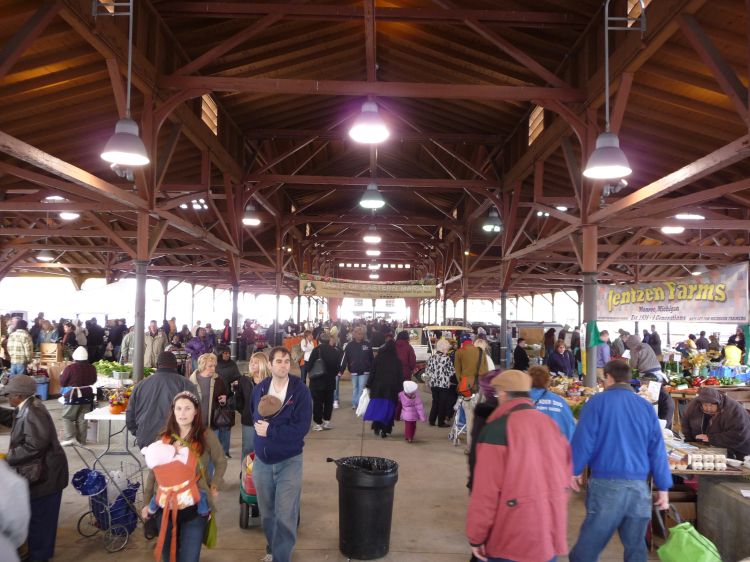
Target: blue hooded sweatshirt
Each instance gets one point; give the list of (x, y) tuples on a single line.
[(555, 407), (287, 428)]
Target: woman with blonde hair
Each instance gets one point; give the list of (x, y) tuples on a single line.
[(439, 371), (259, 369), (212, 393)]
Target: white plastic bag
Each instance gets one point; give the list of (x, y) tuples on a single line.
[(364, 401)]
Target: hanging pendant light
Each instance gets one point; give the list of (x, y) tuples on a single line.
[(250, 218), (372, 236), (369, 127), (608, 161), (69, 215), (493, 223), (372, 198), (45, 256), (125, 147), (699, 270)]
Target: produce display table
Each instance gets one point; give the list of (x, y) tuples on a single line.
[(682, 397), (103, 414)]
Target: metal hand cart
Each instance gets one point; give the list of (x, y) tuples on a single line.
[(114, 519)]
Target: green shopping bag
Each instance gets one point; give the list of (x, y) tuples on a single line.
[(685, 543)]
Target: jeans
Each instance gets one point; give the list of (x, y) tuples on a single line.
[(359, 380), (224, 434), (614, 505), (17, 369), (279, 488), (189, 538), (336, 392), (116, 352), (248, 440), (303, 372)]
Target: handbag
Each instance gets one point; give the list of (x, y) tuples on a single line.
[(684, 542), (318, 369), (223, 416), (364, 401), (211, 532)]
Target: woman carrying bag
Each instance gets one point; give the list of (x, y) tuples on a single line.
[(243, 397), (213, 393), (189, 510), (324, 364)]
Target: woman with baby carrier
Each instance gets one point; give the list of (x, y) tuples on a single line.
[(179, 491)]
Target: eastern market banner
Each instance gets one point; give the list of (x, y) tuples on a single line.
[(716, 296), (314, 286)]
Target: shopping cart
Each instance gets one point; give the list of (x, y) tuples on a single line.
[(114, 500), (458, 428)]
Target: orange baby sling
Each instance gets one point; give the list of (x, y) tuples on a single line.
[(177, 489)]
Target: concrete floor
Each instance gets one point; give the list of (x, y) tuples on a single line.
[(428, 517)]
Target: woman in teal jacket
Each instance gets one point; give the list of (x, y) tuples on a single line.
[(550, 403)]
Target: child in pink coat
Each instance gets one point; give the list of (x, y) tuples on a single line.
[(411, 409)]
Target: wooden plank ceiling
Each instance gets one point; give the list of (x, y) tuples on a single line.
[(455, 83)]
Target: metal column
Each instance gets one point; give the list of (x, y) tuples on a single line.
[(140, 317), (235, 320), (590, 234), (504, 329)]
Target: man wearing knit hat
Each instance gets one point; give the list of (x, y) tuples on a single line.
[(151, 401), (77, 380), (519, 499)]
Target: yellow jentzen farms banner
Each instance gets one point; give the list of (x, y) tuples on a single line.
[(313, 286), (716, 296)]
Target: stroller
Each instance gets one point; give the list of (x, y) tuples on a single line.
[(459, 420), (249, 511)]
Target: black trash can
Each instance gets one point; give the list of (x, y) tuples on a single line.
[(366, 486)]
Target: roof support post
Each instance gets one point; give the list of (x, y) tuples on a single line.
[(590, 241), (235, 320), (141, 267)]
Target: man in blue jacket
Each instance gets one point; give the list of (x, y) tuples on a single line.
[(279, 439), (618, 437), (357, 360)]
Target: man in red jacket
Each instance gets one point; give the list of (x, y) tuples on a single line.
[(519, 502)]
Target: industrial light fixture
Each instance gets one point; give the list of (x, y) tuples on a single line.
[(373, 252), (689, 217), (69, 215), (493, 222), (699, 270), (673, 229), (54, 199), (250, 218), (466, 252), (199, 204), (561, 208), (372, 236), (369, 127), (542, 214), (372, 198), (125, 147), (374, 276), (608, 161), (45, 256)]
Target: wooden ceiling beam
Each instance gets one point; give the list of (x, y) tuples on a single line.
[(359, 181), (380, 89), (396, 136), (24, 37), (294, 11)]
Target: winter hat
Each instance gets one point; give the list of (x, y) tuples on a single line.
[(485, 382), (20, 384), (410, 387), (80, 354), (512, 381), (403, 335), (166, 360), (269, 406)]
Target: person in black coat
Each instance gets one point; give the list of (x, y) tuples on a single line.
[(561, 360), (323, 386), (35, 453), (385, 382), (520, 357)]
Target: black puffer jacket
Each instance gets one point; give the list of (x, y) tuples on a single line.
[(34, 436), (331, 357), (729, 428), (243, 400)]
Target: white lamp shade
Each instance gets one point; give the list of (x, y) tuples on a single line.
[(699, 270), (372, 198), (493, 223), (368, 127), (250, 218), (373, 252), (45, 256), (372, 236), (125, 147), (608, 161), (69, 215)]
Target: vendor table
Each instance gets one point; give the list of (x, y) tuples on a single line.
[(103, 414), (681, 397)]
